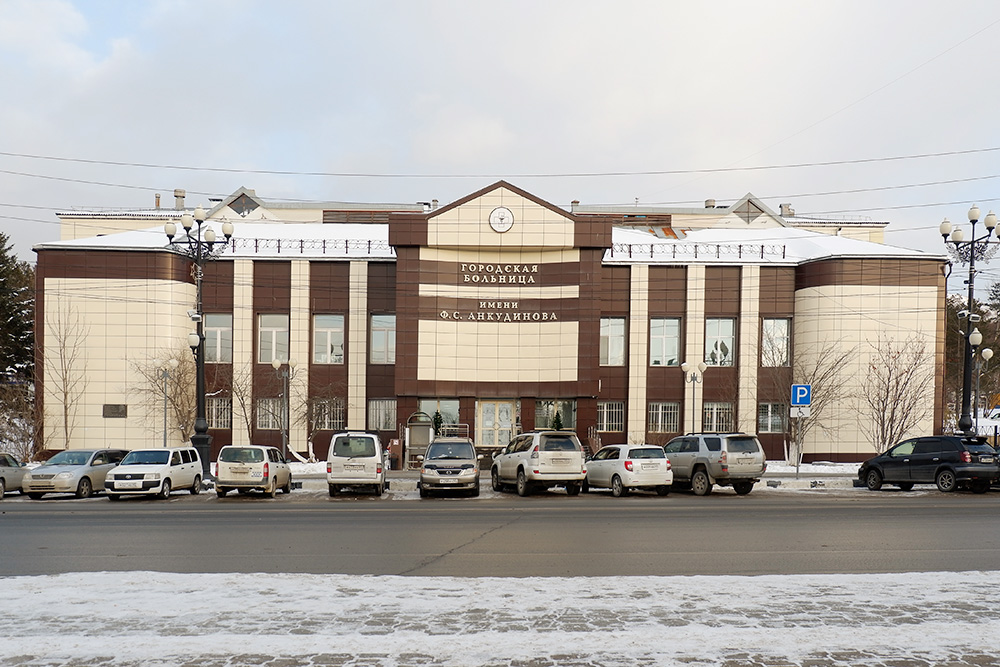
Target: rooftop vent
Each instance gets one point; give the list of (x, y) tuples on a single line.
[(179, 199), (787, 211), (709, 203)]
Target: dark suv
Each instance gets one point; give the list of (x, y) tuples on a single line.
[(949, 461)]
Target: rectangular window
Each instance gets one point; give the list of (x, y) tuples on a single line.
[(664, 418), (771, 417), (219, 412), (448, 407), (547, 409), (720, 341), (328, 414), (328, 339), (219, 338), (774, 342), (272, 340), (383, 340), (612, 341), (664, 341), (717, 417), (611, 416), (382, 414), (270, 413)]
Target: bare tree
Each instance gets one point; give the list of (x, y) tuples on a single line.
[(824, 369), (325, 410), (241, 390), (897, 390), (179, 395), (19, 429), (65, 364)]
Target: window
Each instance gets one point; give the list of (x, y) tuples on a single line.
[(612, 341), (664, 418), (664, 341), (382, 414), (219, 412), (328, 339), (270, 413), (448, 407), (328, 414), (611, 416), (774, 342), (719, 341), (383, 340), (219, 338), (272, 342), (546, 411), (717, 417), (771, 417)]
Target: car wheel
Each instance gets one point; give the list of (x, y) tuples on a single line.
[(617, 488), (221, 492), (475, 491), (573, 489), (700, 483), (662, 490), (423, 492), (908, 486), (945, 481), (196, 487), (165, 490), (287, 488), (84, 489), (333, 490), (522, 484), (272, 490), (585, 485), (3, 489), (743, 488), (980, 486), (378, 489), (873, 480), (495, 480)]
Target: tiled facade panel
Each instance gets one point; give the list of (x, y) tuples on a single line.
[(777, 300), (328, 295)]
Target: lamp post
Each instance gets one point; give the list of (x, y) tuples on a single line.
[(165, 368), (982, 363), (969, 251), (694, 377), (285, 375), (200, 245)]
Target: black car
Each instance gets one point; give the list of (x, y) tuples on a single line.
[(949, 461)]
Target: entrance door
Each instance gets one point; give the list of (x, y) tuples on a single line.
[(494, 423)]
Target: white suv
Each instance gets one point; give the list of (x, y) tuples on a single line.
[(540, 459), (252, 468), (155, 472), (356, 459)]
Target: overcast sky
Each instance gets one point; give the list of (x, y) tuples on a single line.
[(416, 100)]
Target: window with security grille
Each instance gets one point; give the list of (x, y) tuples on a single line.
[(328, 414), (720, 341), (219, 338), (612, 341), (272, 338), (611, 416), (717, 417), (771, 417), (664, 341), (269, 413), (383, 339), (328, 339), (664, 418), (219, 412), (382, 414)]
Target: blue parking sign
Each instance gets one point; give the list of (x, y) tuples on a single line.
[(801, 394)]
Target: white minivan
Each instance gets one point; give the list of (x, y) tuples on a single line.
[(248, 468), (155, 472), (356, 460)]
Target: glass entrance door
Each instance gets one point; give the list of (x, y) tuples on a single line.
[(494, 423)]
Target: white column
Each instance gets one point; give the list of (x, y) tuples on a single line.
[(694, 347), (357, 347), (638, 352), (749, 348), (300, 327), (244, 330)]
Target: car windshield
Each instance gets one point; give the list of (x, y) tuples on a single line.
[(647, 453), (69, 459), (743, 445), (558, 444), (351, 446), (241, 455), (450, 450), (145, 458)]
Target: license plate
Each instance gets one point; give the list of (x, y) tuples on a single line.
[(239, 471), (986, 459), (354, 467), (746, 461), (559, 461), (128, 485), (649, 466), (449, 481)]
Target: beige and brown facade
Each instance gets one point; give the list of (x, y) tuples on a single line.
[(500, 310)]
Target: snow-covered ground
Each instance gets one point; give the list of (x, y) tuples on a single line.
[(229, 620)]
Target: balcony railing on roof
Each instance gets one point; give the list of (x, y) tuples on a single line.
[(663, 251), (338, 247)]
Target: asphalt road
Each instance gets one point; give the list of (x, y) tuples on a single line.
[(549, 534)]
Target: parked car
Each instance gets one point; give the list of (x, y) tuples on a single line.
[(248, 468), (540, 460), (449, 464), (11, 474), (702, 460), (155, 472), (950, 461), (356, 459), (625, 467), (79, 471)]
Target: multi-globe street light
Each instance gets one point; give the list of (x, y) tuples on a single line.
[(968, 251), (199, 244), (285, 374), (695, 377)]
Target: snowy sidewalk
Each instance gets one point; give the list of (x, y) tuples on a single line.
[(157, 619)]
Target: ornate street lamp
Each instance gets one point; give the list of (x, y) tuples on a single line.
[(694, 377), (969, 251), (284, 374), (199, 245)]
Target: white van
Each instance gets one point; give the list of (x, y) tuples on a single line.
[(155, 472), (252, 468), (356, 459)]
